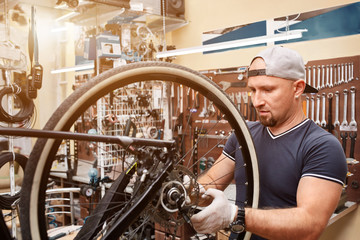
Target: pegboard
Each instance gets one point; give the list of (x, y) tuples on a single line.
[(347, 70)]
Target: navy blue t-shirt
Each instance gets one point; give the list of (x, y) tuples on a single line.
[(304, 150)]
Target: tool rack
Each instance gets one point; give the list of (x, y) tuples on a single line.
[(338, 80)]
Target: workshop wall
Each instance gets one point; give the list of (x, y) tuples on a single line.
[(209, 15)]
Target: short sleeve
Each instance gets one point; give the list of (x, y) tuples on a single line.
[(230, 147), (326, 161)]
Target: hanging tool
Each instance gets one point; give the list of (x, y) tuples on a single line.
[(36, 69), (351, 71), (318, 77), (238, 100), (341, 70), (197, 100), (253, 115), (346, 73), (330, 126), (181, 100), (317, 121), (344, 123), (344, 136), (331, 76), (130, 128), (195, 151), (353, 124), (314, 76), (336, 122), (204, 112), (188, 98), (327, 77), (335, 74), (307, 107), (232, 97), (226, 85), (246, 106), (211, 109), (313, 108), (323, 121), (353, 136), (309, 75)]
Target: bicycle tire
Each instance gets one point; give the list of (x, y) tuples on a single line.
[(36, 174), (7, 200)]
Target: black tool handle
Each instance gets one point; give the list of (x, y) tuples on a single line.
[(330, 126), (246, 111), (352, 144), (344, 136), (238, 84)]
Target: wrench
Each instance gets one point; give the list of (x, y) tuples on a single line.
[(335, 74), (351, 71), (330, 126), (352, 136), (238, 100), (318, 77), (226, 85), (314, 77), (312, 108), (336, 122), (331, 76), (327, 76), (204, 112), (352, 122), (232, 97), (323, 121), (346, 73), (344, 122), (342, 74), (317, 121), (307, 106), (246, 106), (322, 77)]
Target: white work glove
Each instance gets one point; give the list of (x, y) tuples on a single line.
[(187, 183), (218, 215)]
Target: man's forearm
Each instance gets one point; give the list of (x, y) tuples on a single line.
[(291, 223)]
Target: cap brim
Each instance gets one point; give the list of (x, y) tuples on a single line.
[(310, 89)]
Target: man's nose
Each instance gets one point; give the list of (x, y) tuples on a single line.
[(257, 99)]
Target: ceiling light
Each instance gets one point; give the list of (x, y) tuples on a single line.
[(293, 34), (81, 67), (67, 16)]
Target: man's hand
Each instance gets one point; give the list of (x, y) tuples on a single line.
[(218, 215), (195, 192)]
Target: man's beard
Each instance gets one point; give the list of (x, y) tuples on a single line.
[(268, 122)]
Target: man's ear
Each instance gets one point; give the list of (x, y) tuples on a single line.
[(299, 87)]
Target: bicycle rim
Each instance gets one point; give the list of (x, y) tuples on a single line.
[(37, 173)]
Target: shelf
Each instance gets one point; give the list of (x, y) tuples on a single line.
[(349, 207)]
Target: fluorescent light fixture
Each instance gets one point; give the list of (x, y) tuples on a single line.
[(66, 16), (293, 34), (81, 67)]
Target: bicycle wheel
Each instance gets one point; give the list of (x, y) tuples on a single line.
[(147, 180), (6, 200)]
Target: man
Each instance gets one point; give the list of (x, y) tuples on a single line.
[(302, 168)]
